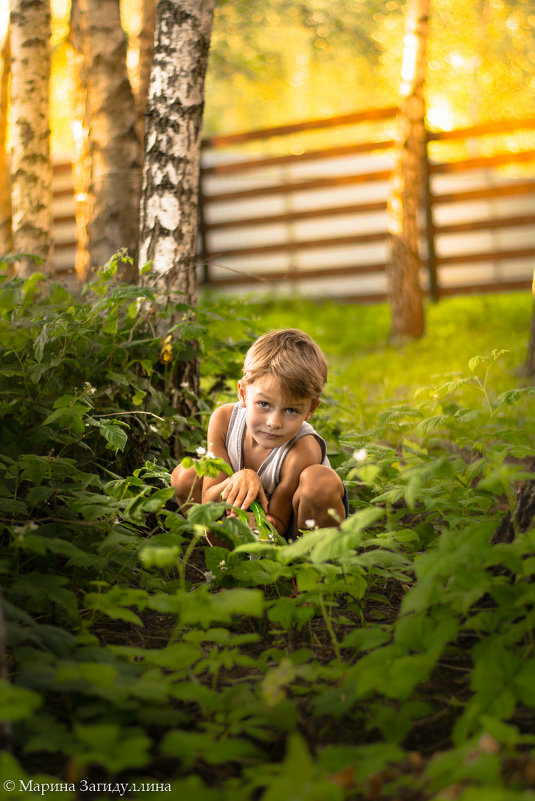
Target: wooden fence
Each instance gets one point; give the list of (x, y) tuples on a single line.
[(281, 211)]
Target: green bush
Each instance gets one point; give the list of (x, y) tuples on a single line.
[(390, 658)]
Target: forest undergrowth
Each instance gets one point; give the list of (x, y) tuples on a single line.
[(392, 658)]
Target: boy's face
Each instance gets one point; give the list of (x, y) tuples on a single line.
[(273, 418)]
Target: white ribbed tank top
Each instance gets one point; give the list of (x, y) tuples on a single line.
[(270, 469)]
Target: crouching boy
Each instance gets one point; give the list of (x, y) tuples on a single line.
[(277, 457)]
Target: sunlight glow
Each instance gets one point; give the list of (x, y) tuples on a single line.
[(408, 68), (4, 19), (440, 114)]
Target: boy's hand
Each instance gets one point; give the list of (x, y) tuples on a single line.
[(242, 488)]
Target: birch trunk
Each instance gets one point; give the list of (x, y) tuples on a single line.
[(113, 143), (405, 196), (170, 198), (6, 239), (31, 172)]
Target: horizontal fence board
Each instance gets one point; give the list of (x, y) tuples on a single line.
[(293, 159), (489, 256), (370, 115), (297, 216), (277, 276), (299, 186), (302, 244)]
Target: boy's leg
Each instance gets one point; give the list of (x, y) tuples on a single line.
[(320, 489), (188, 489), (187, 485)]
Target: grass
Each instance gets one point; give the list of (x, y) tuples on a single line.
[(368, 371)]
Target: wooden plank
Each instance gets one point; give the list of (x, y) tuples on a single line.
[(501, 190), (276, 276), (296, 216), (301, 186), (473, 131), (494, 255), (370, 115), (476, 289), (293, 158), (489, 223), (480, 162), (304, 244)]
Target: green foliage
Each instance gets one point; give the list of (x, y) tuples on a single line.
[(393, 655)]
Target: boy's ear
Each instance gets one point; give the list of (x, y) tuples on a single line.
[(313, 406), (241, 393)]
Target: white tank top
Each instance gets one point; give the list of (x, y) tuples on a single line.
[(270, 469)]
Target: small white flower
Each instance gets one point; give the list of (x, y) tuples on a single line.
[(201, 451), (310, 523), (360, 455), (153, 429), (209, 576), (88, 388), (210, 455)]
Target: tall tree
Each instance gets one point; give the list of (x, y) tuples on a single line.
[(404, 258), (113, 142), (81, 159), (170, 196), (30, 166), (144, 43), (6, 240)]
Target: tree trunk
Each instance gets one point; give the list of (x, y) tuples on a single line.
[(81, 162), (6, 239), (144, 43), (30, 167), (405, 197), (530, 361), (113, 143), (170, 198)]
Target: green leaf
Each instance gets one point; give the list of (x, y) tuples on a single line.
[(17, 703)]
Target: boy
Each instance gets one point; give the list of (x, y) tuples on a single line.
[(277, 457)]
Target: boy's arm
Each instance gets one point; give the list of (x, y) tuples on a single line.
[(239, 489), (305, 452)]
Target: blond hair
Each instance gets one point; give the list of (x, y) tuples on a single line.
[(292, 357)]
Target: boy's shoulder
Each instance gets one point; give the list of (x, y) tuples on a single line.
[(221, 415)]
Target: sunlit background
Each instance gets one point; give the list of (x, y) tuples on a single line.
[(283, 61)]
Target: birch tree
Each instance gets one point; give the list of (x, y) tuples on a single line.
[(170, 196), (31, 170), (114, 149), (6, 240), (404, 259)]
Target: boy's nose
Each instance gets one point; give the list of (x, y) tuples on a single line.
[(274, 420)]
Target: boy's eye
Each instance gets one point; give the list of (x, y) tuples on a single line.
[(263, 404), (292, 411)]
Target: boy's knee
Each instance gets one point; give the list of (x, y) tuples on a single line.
[(320, 485), (182, 481)]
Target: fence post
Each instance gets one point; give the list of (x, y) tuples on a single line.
[(203, 244), (427, 203)]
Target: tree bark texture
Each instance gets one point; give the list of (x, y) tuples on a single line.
[(6, 239), (31, 172), (404, 260), (170, 198), (113, 143), (144, 43), (530, 360), (81, 161)]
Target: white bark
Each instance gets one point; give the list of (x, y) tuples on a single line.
[(113, 143), (30, 166), (170, 196)]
